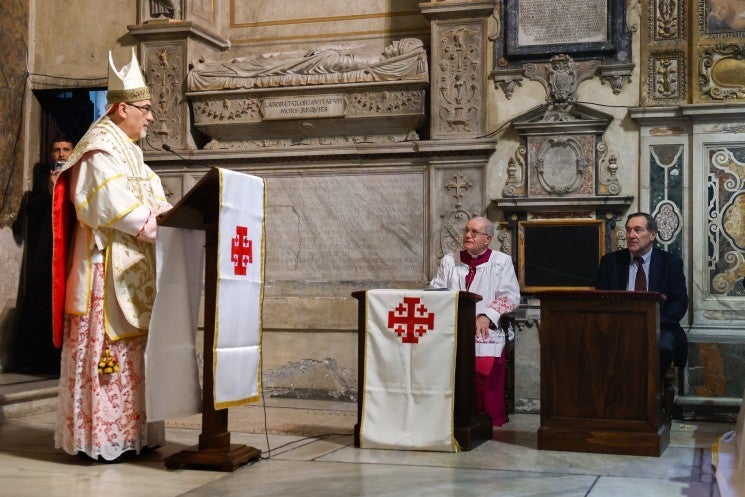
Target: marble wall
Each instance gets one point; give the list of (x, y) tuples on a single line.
[(14, 15), (336, 224)]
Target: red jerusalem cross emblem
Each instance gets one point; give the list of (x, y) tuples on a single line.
[(410, 320), (241, 252)]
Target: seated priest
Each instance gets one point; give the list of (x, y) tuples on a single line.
[(478, 269), (642, 267)]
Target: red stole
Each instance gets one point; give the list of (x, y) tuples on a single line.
[(472, 262), (63, 219)]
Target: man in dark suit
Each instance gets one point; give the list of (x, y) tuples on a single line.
[(643, 267)]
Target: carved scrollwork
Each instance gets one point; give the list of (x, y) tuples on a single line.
[(515, 186), (608, 162), (721, 71), (228, 110)]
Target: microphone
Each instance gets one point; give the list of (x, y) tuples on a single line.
[(170, 149)]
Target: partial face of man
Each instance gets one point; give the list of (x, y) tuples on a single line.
[(61, 151), (639, 239), (475, 241), (136, 117)]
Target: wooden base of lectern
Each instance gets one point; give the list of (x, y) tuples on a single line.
[(478, 431), (227, 459), (601, 441)]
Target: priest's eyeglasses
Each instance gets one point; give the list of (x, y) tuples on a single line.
[(145, 109), (473, 233)]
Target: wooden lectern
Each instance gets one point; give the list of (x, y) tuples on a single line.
[(471, 428), (600, 377), (199, 209)]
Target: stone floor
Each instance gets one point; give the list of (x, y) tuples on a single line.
[(307, 450)]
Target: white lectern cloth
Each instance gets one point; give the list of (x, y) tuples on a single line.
[(172, 385), (240, 289), (409, 370), (170, 364)]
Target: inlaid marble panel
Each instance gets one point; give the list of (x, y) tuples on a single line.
[(726, 221), (666, 194)]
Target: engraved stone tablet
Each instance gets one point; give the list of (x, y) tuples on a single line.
[(561, 22), (345, 227), (303, 107)]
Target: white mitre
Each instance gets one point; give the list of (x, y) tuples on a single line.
[(126, 84)]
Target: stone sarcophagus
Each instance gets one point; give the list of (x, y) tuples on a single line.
[(329, 95)]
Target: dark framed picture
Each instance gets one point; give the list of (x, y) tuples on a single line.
[(556, 254)]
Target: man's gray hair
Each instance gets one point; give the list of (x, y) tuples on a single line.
[(488, 225)]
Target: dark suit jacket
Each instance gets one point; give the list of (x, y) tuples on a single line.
[(665, 276)]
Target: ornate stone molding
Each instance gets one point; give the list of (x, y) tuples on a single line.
[(302, 116), (552, 161), (561, 76)]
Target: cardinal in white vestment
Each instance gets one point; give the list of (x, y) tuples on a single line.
[(104, 276), (478, 269)]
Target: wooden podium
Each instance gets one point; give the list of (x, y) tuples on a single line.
[(471, 428), (199, 209), (600, 379)]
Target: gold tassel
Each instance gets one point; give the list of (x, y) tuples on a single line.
[(107, 364)]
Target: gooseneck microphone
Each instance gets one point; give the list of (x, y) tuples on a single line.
[(170, 149)]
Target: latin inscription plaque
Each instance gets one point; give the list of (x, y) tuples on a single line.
[(561, 22), (303, 107), (345, 227)]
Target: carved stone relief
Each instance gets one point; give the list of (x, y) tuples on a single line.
[(457, 81), (160, 9), (164, 73), (457, 185), (667, 76), (667, 20)]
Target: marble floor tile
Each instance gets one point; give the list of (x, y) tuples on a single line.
[(307, 450)]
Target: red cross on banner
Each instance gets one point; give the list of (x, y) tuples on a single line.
[(241, 252), (410, 320)]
